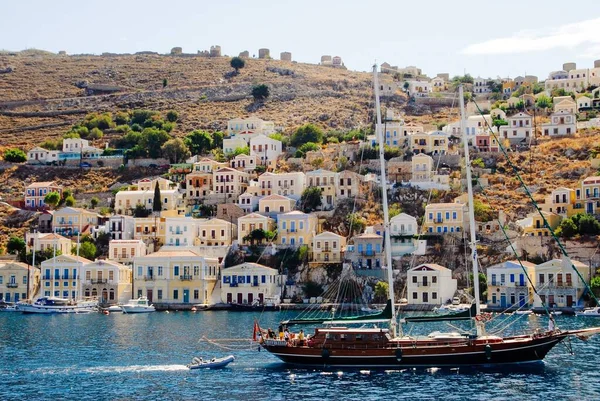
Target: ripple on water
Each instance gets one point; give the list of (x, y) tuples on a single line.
[(143, 357)]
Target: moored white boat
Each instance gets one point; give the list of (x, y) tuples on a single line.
[(50, 305), (589, 312), (8, 307), (140, 305)]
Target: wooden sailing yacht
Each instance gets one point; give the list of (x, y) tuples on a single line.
[(383, 348)]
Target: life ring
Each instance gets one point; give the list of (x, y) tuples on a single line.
[(479, 318), (106, 312)]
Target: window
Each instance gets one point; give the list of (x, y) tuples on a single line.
[(196, 294), (159, 270), (175, 294), (434, 279), (139, 272), (159, 294), (414, 279), (415, 295), (434, 295), (176, 271)]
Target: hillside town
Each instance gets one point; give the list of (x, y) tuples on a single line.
[(259, 216)]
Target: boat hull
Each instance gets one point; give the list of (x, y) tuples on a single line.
[(137, 309), (42, 309), (525, 351), (217, 363)]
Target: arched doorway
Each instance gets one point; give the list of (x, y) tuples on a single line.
[(104, 295)]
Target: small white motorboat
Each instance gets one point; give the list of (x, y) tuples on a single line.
[(8, 307), (589, 312), (214, 363), (114, 308), (140, 305), (524, 312)]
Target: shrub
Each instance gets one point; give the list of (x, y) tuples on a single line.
[(172, 116), (15, 155)]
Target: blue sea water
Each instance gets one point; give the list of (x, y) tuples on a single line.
[(143, 357)]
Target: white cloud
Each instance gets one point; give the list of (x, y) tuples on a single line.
[(584, 35)]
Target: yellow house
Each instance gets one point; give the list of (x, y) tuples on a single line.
[(248, 283), (199, 184), (215, 232), (124, 250), (109, 281), (434, 142), (274, 204), (73, 220), (206, 165), (443, 218), (18, 281), (296, 228), (589, 195), (61, 276), (126, 201), (181, 277), (328, 247), (508, 285), (230, 183), (326, 181), (44, 241), (558, 284), (562, 201), (537, 227), (253, 221), (150, 229)]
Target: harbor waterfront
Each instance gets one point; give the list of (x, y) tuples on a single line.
[(100, 357)]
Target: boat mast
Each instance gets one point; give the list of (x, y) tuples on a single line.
[(386, 214), (473, 242)]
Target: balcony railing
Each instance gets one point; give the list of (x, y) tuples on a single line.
[(368, 253), (438, 220), (47, 278), (12, 285), (186, 277), (99, 281), (326, 250), (149, 278)]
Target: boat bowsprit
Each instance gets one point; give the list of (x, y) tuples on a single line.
[(214, 363)]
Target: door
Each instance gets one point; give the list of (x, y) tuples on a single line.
[(186, 296), (425, 297), (16, 297), (503, 300), (149, 295), (569, 300), (229, 298), (261, 298), (240, 298), (521, 299), (250, 298)]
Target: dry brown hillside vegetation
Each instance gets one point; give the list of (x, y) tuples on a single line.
[(44, 94)]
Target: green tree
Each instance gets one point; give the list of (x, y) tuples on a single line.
[(199, 142), (70, 201), (217, 139), (241, 151), (172, 116), (306, 133), (478, 163), (309, 146), (71, 135), (86, 250), (52, 199), (567, 228), (498, 122), (156, 203), (482, 286), (543, 102), (140, 211), (152, 141), (94, 202), (310, 199), (381, 291), (122, 118), (175, 150), (588, 225), (237, 63), (356, 224), (260, 92), (15, 155), (95, 133), (312, 289), (140, 116), (50, 144), (15, 245)]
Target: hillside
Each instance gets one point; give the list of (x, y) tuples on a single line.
[(48, 90)]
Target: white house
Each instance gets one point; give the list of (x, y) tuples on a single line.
[(286, 184), (508, 285), (265, 149), (248, 202), (108, 280), (403, 228), (244, 162), (250, 282), (229, 183), (561, 123), (583, 102), (520, 126), (74, 145), (41, 156), (474, 125), (124, 250), (180, 231), (233, 143), (430, 284)]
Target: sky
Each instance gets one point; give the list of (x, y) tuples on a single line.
[(483, 38)]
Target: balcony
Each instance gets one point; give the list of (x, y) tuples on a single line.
[(12, 285), (326, 250), (186, 277), (438, 220), (233, 284), (149, 278), (47, 278), (368, 253), (99, 281)]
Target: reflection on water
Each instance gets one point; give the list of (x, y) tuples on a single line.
[(144, 356)]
